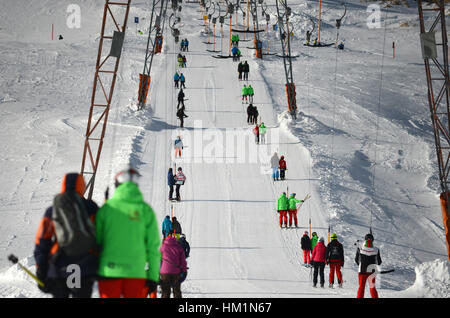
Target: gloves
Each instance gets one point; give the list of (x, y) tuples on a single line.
[(41, 274), (183, 276), (151, 285)]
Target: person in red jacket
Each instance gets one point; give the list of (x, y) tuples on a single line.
[(318, 261), (282, 165), (256, 132)]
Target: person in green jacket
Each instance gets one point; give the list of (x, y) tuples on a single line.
[(292, 209), (244, 93), (282, 207), (250, 93), (314, 240), (128, 236), (262, 133)]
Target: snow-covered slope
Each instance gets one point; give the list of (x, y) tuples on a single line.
[(362, 144)]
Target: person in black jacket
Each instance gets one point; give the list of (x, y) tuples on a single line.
[(367, 257), (185, 245), (52, 262), (255, 115), (176, 227), (181, 115), (250, 111), (245, 70), (170, 183), (180, 98), (306, 247), (335, 258), (240, 70)]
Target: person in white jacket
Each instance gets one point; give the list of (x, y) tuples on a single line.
[(178, 145), (274, 164), (180, 178)]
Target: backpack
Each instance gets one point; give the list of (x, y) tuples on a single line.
[(75, 232), (335, 252)]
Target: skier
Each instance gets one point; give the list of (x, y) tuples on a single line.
[(292, 209), (52, 259), (318, 262), (181, 116), (236, 53), (176, 78), (250, 112), (282, 206), (308, 37), (186, 45), (180, 60), (180, 179), (256, 133), (180, 98), (182, 45), (262, 133), (184, 245), (184, 60), (182, 80), (305, 243), (166, 227), (282, 164), (246, 69), (244, 93), (170, 183), (367, 257), (255, 115), (240, 70), (235, 40), (125, 221), (178, 145), (314, 239), (172, 266), (335, 258), (176, 226), (274, 163), (341, 46), (250, 93)]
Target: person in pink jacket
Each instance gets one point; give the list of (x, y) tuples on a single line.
[(173, 267), (318, 262)]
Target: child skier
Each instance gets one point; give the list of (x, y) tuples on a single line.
[(305, 243)]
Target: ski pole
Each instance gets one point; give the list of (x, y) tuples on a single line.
[(12, 258)]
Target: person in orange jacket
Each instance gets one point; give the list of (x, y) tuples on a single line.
[(52, 260)]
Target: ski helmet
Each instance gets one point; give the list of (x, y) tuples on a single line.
[(127, 174), (369, 237), (321, 239), (314, 234), (333, 236)]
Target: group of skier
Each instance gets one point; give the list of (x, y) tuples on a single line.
[(184, 45), (101, 247), (317, 255), (248, 93), (179, 78), (181, 60), (243, 70), (278, 166)]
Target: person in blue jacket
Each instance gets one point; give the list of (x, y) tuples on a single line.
[(166, 226), (176, 78), (182, 80), (170, 183)]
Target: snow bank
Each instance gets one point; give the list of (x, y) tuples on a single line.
[(432, 280)]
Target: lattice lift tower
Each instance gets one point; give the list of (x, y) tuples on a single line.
[(437, 74)]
